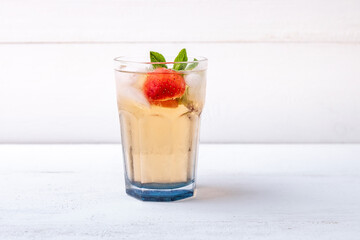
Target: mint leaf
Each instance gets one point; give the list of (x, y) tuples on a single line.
[(181, 57), (157, 57), (193, 65)]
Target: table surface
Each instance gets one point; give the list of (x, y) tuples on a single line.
[(244, 192)]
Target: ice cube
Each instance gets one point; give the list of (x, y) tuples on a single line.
[(139, 83), (124, 78), (193, 80), (131, 94), (196, 83)]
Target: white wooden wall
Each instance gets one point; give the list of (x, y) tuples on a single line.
[(279, 71)]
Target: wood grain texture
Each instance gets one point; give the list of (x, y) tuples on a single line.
[(255, 92), (185, 20), (244, 191)]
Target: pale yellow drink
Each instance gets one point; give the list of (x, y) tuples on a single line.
[(160, 143), (160, 140)]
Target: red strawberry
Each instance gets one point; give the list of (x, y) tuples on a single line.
[(163, 84)]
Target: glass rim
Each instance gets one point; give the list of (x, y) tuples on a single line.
[(124, 59)]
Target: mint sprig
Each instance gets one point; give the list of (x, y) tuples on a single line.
[(179, 62), (157, 57), (181, 57), (193, 65)]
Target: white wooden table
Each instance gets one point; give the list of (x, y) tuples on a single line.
[(244, 192)]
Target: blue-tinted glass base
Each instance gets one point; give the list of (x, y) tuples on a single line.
[(161, 194)]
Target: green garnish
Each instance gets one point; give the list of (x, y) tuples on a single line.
[(181, 57), (193, 65), (157, 57)]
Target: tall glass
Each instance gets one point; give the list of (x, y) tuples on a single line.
[(159, 138)]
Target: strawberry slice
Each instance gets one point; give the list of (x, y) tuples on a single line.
[(163, 84), (172, 103)]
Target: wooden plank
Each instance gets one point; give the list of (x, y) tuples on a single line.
[(255, 92), (262, 192), (185, 20)]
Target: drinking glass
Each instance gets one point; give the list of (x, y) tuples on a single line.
[(159, 138)]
